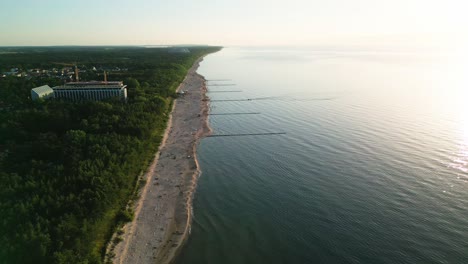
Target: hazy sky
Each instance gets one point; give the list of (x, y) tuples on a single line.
[(229, 22)]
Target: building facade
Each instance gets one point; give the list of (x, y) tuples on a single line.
[(94, 91)]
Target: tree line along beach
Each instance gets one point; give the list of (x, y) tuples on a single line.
[(71, 170)]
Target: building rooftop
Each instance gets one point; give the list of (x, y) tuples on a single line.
[(93, 84), (42, 89)]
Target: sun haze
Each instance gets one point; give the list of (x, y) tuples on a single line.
[(222, 22)]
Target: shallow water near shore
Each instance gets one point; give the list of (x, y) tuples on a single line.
[(373, 168)]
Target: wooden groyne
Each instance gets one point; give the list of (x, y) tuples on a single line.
[(248, 134), (231, 100), (224, 91), (253, 113), (235, 100)]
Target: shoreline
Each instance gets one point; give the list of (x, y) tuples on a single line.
[(163, 213)]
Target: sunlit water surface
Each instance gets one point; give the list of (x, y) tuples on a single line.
[(373, 168)]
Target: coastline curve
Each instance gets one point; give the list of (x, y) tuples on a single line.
[(163, 213)]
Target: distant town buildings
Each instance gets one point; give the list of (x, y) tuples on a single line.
[(64, 73)]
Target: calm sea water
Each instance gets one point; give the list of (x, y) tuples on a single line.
[(373, 168)]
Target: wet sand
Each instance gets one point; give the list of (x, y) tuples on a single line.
[(163, 214)]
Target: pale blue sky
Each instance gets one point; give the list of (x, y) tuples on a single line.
[(229, 22)]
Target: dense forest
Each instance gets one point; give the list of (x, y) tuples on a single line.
[(68, 169)]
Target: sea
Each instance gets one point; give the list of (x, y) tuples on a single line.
[(372, 168)]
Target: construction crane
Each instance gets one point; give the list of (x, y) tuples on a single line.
[(77, 78)]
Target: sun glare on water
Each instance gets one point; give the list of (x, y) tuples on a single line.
[(460, 161)]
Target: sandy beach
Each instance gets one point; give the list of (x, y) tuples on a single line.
[(163, 212)]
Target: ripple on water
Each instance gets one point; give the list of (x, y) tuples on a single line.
[(371, 175)]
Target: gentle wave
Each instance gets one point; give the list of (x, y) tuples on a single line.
[(370, 170)]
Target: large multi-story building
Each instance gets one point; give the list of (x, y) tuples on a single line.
[(80, 91), (95, 91)]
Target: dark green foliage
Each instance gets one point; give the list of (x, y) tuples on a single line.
[(68, 170)]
